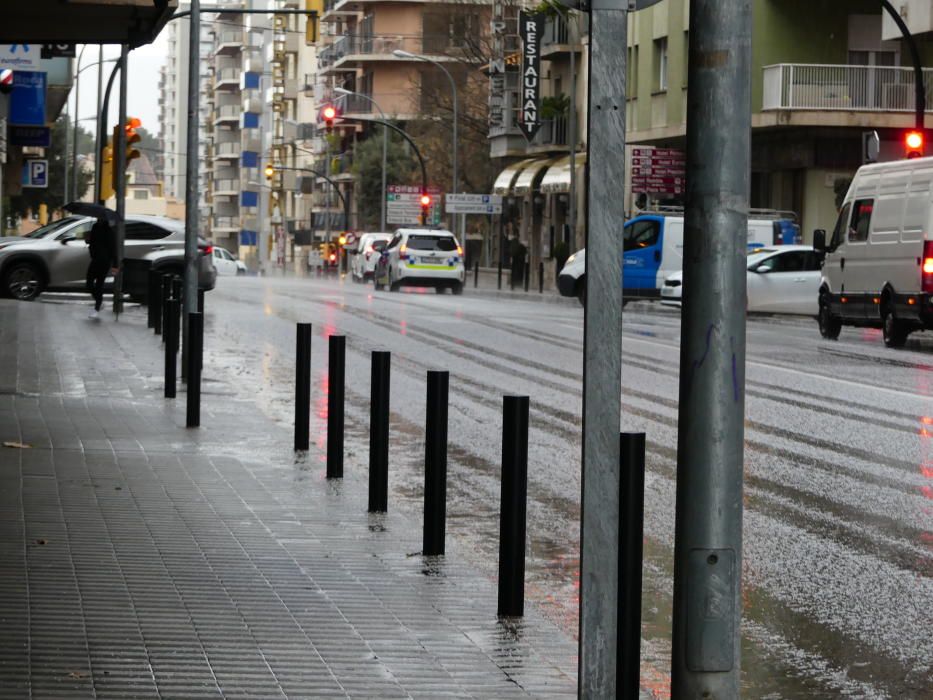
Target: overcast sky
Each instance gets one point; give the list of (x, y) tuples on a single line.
[(143, 76)]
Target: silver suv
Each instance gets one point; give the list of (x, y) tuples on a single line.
[(56, 257)]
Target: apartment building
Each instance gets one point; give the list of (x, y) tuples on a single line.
[(173, 111), (375, 50), (542, 192)]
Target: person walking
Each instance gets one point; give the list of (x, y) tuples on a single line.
[(102, 245)]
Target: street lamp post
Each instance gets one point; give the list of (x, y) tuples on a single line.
[(385, 134), (453, 87)]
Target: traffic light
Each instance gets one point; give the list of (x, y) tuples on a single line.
[(106, 173), (269, 171), (132, 137), (329, 114), (343, 239), (913, 144), (425, 207)]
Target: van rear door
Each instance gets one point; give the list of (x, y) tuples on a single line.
[(643, 238)]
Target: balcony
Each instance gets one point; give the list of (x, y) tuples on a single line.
[(227, 114), (227, 78), (563, 35), (227, 151), (226, 188), (828, 88), (333, 14), (351, 51), (229, 41), (225, 223), (551, 135)]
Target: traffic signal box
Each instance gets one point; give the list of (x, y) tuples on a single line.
[(106, 172), (425, 208), (328, 115), (132, 137), (913, 144)]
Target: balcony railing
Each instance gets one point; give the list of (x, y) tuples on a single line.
[(552, 132), (354, 104), (224, 186), (228, 112), (226, 75), (851, 88), (225, 222), (561, 31), (361, 45)]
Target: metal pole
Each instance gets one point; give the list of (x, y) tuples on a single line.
[(74, 139), (631, 532), (513, 506), (119, 163), (602, 362), (303, 387), (65, 187), (162, 326), (708, 521), (196, 338), (337, 348), (385, 150), (102, 126), (379, 433), (919, 94), (191, 168), (572, 214), (170, 335), (435, 464), (101, 118), (152, 298)]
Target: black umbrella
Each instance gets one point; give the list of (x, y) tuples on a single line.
[(96, 210)]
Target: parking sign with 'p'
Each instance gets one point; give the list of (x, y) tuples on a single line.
[(36, 173)]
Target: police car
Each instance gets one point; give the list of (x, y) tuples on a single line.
[(421, 257)]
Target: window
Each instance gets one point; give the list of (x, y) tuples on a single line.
[(78, 232), (140, 194), (641, 234), (660, 64), (861, 219), (840, 230), (445, 243), (139, 231), (793, 261)]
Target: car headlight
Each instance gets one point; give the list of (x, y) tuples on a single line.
[(571, 259)]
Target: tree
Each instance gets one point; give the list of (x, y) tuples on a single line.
[(59, 158), (401, 168)]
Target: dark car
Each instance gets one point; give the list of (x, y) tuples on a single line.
[(55, 257)]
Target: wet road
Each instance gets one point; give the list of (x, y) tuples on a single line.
[(838, 595)]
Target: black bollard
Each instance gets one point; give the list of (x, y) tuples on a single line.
[(476, 274), (540, 278), (200, 300), (435, 464), (152, 298), (166, 297), (512, 506), (195, 349), (527, 274), (303, 387), (337, 349), (169, 335), (500, 273), (379, 433), (631, 532), (178, 287)]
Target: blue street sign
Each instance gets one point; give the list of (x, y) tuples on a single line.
[(36, 173), (40, 136), (27, 101)]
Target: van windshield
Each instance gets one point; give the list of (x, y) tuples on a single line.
[(640, 234), (438, 243)]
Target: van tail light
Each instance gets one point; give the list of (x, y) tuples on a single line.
[(403, 250), (927, 267)]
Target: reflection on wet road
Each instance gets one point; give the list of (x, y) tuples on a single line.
[(839, 461)]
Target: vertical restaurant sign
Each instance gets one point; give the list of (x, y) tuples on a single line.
[(530, 27)]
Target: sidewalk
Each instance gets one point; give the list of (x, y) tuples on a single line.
[(142, 559)]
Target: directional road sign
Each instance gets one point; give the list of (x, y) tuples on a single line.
[(473, 203)]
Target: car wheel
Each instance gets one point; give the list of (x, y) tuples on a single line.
[(830, 326), (894, 332), (457, 288), (23, 281)]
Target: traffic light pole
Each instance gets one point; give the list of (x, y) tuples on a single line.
[(343, 199), (705, 655), (120, 164), (920, 94), (102, 132), (424, 172)]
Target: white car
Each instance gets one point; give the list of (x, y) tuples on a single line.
[(365, 255), (781, 279), (227, 264), (421, 257)]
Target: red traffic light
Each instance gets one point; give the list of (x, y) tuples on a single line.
[(913, 144), (329, 112), (425, 200)]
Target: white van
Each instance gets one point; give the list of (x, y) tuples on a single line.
[(654, 249), (878, 267)]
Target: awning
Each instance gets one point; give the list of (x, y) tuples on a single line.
[(526, 180), (134, 22), (557, 177), (507, 177)]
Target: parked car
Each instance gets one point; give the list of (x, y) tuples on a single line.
[(421, 257), (878, 270), (653, 245), (55, 257), (227, 264), (781, 279), (365, 255)]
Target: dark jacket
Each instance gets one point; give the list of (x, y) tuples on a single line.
[(103, 244)]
